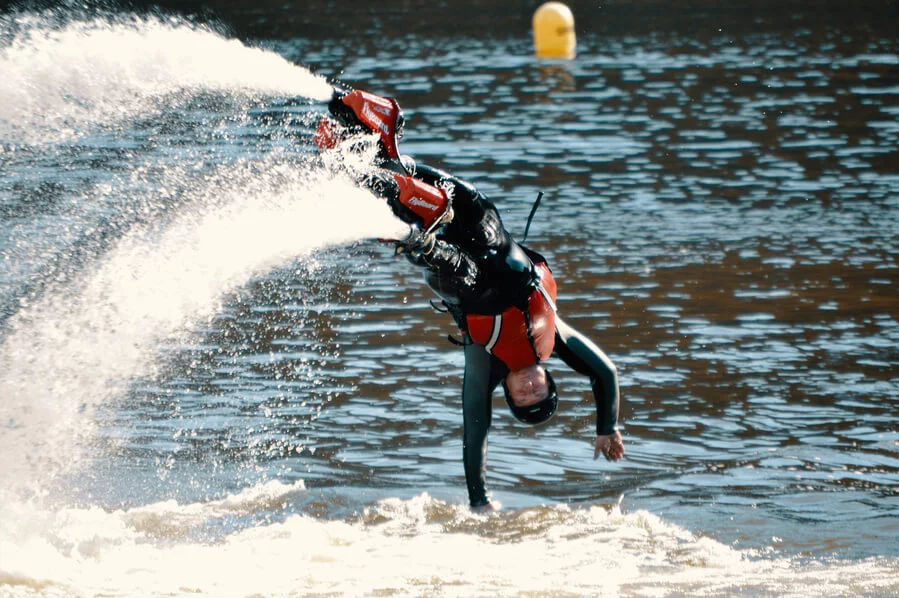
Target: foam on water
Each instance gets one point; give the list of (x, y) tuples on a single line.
[(58, 80), (420, 546)]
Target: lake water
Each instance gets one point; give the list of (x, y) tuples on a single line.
[(212, 383)]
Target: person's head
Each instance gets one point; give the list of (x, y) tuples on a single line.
[(531, 394)]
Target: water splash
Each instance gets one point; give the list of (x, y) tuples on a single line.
[(179, 238), (79, 345), (59, 80), (419, 546)]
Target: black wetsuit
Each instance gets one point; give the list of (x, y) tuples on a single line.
[(477, 268)]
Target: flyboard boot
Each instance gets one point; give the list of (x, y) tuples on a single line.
[(359, 112), (355, 112)]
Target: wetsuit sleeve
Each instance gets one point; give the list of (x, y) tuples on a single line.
[(476, 413), (584, 357), (449, 261)]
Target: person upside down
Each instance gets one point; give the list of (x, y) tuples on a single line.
[(501, 294)]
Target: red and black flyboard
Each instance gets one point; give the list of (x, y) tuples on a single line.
[(356, 112)]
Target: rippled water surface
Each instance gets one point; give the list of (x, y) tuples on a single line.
[(720, 211), (722, 217)]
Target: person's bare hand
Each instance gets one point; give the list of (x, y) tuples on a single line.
[(611, 446)]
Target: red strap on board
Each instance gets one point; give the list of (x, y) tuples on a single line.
[(428, 202)]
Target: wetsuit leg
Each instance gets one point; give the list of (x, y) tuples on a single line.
[(481, 377), (583, 356)]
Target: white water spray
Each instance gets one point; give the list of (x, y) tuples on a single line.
[(56, 81), (76, 348), (79, 345)]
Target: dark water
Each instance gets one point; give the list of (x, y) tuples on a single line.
[(721, 208)]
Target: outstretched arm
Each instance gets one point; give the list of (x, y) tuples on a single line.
[(476, 413), (584, 357)]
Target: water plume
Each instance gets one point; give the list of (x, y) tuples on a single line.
[(60, 80), (79, 345)]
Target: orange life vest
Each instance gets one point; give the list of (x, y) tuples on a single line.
[(520, 339)]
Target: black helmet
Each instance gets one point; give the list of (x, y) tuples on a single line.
[(538, 413)]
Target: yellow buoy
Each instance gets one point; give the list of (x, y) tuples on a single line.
[(554, 31)]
